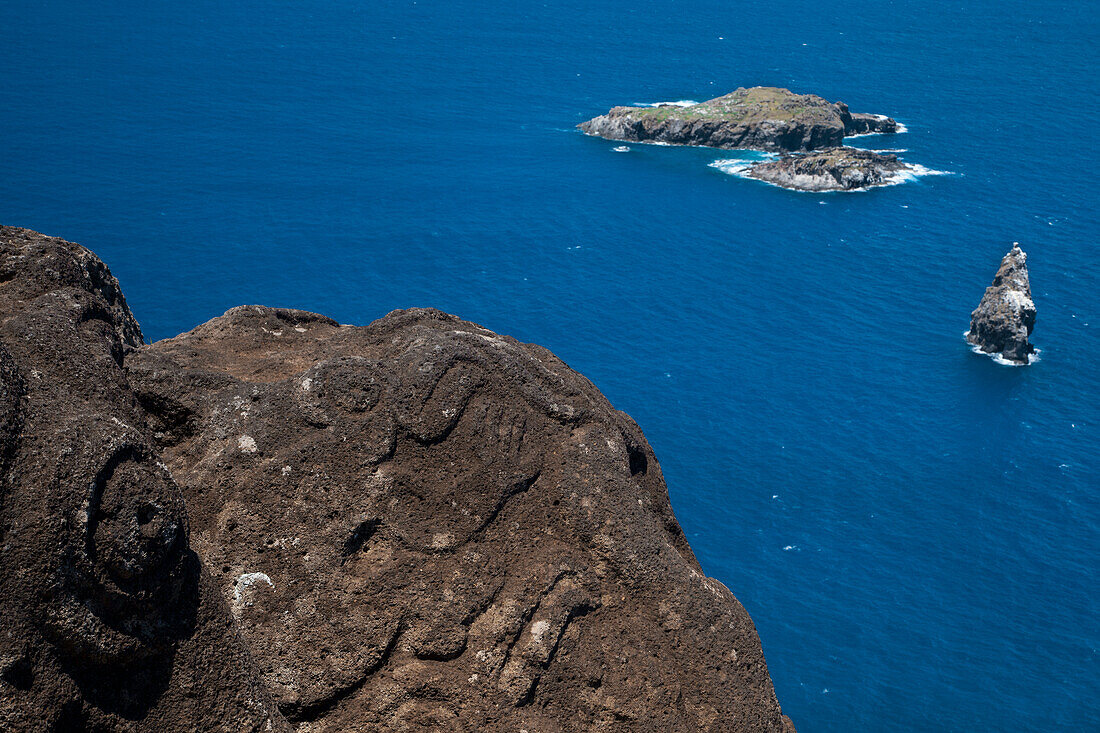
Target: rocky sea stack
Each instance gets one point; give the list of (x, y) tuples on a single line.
[(833, 169), (276, 522), (1003, 321), (760, 118)]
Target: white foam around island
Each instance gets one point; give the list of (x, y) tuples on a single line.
[(732, 166), (881, 151), (737, 166), (901, 129), (916, 170), (740, 166), (997, 358), (677, 103)]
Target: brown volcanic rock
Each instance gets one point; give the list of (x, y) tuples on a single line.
[(107, 620), (414, 525), (455, 531)]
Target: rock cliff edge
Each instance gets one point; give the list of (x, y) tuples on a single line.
[(277, 522)]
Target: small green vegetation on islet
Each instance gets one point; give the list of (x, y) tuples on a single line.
[(746, 106)]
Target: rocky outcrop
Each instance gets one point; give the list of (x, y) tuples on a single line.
[(834, 169), (761, 118), (1005, 317), (276, 520), (108, 619), (863, 123)]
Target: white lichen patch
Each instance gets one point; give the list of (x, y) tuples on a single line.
[(494, 341), (244, 590), (566, 410), (241, 405), (306, 384), (247, 444), (538, 631), (121, 424)]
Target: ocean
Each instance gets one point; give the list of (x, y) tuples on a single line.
[(913, 527)]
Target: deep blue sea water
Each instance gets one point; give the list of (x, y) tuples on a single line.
[(913, 527)]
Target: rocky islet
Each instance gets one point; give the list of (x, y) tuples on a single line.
[(832, 169), (807, 130), (1002, 323)]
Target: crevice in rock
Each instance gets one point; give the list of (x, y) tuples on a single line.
[(639, 464), (530, 612), (522, 485), (581, 609), (359, 537)]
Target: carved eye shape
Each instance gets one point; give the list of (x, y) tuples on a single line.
[(352, 385), (137, 523), (348, 385), (358, 394)]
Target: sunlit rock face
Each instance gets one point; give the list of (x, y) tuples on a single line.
[(107, 621), (278, 522), (421, 524), (1004, 319)]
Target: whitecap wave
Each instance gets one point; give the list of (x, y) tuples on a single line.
[(997, 358), (901, 129), (677, 103), (738, 166), (915, 171), (882, 151), (732, 166)]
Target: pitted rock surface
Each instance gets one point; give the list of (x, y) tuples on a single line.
[(1005, 317), (459, 531), (107, 620), (277, 520)]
